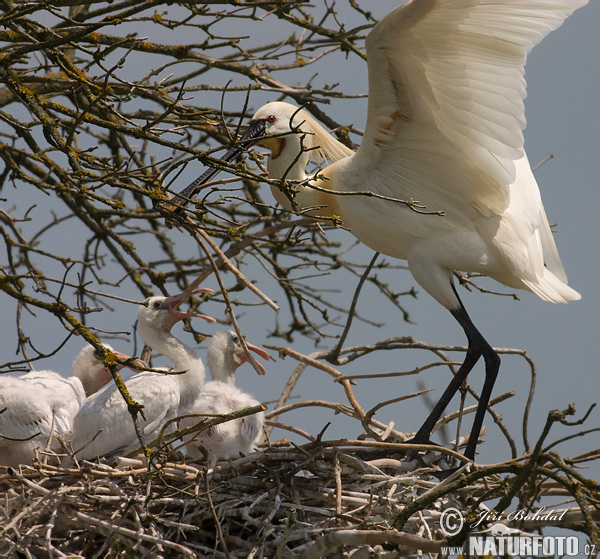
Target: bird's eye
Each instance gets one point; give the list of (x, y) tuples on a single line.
[(271, 118), (97, 355), (235, 339), (156, 304)]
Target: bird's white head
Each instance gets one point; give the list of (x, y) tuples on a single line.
[(90, 369), (160, 314), (226, 354), (294, 137)]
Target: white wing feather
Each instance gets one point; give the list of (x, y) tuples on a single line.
[(444, 128), (35, 406), (448, 75), (229, 439), (107, 410)]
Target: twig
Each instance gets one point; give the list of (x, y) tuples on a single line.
[(215, 516)]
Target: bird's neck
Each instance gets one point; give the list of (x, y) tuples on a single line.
[(94, 380), (220, 368), (289, 166), (289, 161), (183, 357), (324, 204)]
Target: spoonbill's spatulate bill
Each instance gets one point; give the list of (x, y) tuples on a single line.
[(103, 426), (444, 128), (221, 396)]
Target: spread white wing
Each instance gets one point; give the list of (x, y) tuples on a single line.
[(446, 92)]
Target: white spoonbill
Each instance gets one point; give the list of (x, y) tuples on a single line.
[(162, 395), (444, 128), (221, 396), (41, 404)]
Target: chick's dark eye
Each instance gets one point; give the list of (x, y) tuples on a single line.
[(271, 118), (156, 304)]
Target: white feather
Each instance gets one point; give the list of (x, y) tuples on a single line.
[(221, 396)]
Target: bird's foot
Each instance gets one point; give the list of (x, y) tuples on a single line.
[(377, 453), (442, 474), (412, 454), (447, 472)]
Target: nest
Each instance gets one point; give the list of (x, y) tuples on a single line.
[(274, 503), (318, 500), (335, 499)]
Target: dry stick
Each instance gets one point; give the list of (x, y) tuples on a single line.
[(216, 419), (570, 437), (302, 366), (337, 407), (573, 423), (401, 374), (560, 464), (335, 352), (236, 248), (324, 545), (283, 351), (48, 535), (291, 429), (339, 378), (398, 447), (52, 425), (287, 390), (547, 158), (372, 411), (582, 497), (338, 483), (451, 416), (529, 400), (461, 411), (133, 534), (229, 265), (532, 460), (215, 516), (587, 456), (47, 469), (228, 305)]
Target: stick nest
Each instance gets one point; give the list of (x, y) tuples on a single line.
[(334, 499), (318, 500)]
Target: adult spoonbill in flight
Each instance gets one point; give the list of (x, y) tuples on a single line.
[(444, 128), (221, 396), (42, 404), (162, 395)]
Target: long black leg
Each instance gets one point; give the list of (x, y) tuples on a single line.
[(477, 347), (423, 434), (492, 366)]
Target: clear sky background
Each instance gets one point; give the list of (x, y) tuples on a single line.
[(563, 75)]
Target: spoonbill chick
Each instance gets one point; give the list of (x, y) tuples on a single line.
[(103, 426), (444, 128), (221, 396), (42, 404)]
